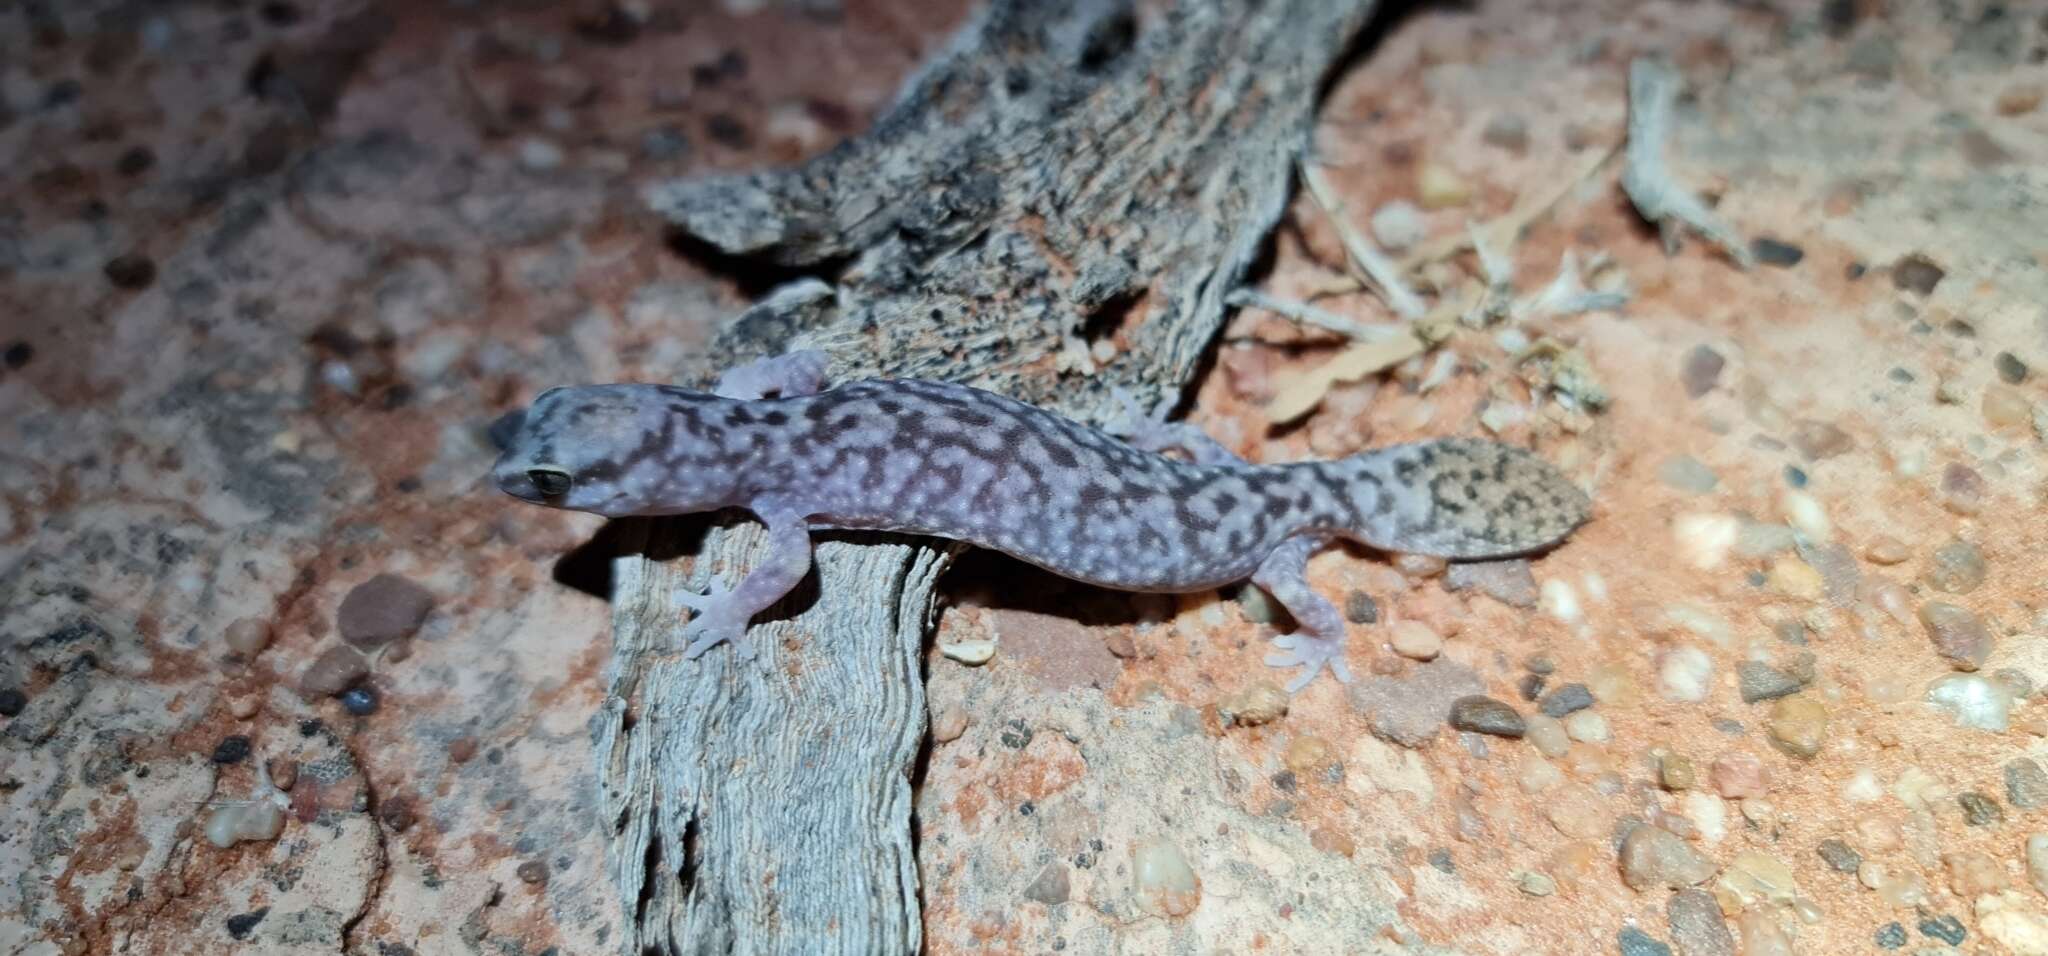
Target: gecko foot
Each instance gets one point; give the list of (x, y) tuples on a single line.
[(1311, 654), (712, 621)]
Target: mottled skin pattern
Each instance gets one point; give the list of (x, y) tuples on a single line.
[(955, 462)]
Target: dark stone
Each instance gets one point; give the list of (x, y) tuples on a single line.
[(383, 609), (1759, 681), (1771, 252), (1481, 714), (1891, 936), (231, 749), (1015, 734), (131, 271), (1794, 476), (12, 702), (1285, 782), (1917, 273), (239, 927), (1948, 929), (1840, 856), (397, 813), (1980, 810), (726, 130), (1635, 942), (1051, 887), (533, 872), (1701, 370), (2011, 370), (18, 354), (2026, 785), (1531, 686), (1359, 608), (278, 13), (1566, 700), (360, 700)]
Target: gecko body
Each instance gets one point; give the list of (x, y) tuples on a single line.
[(955, 462)]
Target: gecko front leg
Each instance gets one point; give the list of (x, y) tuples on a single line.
[(721, 614), (1150, 431), (1320, 640), (789, 375)]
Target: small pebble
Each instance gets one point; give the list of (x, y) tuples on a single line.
[(1959, 636), (1799, 726), (1795, 476), (383, 609), (360, 700), (256, 820), (1887, 550), (1398, 225), (1651, 856), (12, 701), (335, 670), (1979, 810), (1771, 252), (1685, 674), (248, 636), (1511, 582), (2037, 862), (397, 813), (1759, 681), (533, 873), (1258, 606), (1440, 187), (1547, 735), (283, 772), (1891, 935), (1566, 700), (1738, 775), (1536, 884), (1165, 884), (1701, 370), (1686, 473), (1806, 515), (1697, 925), (1359, 608), (2026, 784), (1840, 856), (1530, 686), (2005, 407), (1415, 641), (131, 271), (978, 652), (1972, 701), (1481, 714), (1676, 772), (2010, 369), (1958, 568), (1946, 928), (1588, 727), (1051, 887), (1507, 131), (1972, 874), (233, 748), (1917, 274), (1817, 440), (948, 724), (1635, 942), (1259, 703), (1962, 489)]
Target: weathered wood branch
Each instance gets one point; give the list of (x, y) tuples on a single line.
[(1056, 205)]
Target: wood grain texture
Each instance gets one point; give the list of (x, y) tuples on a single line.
[(1063, 175)]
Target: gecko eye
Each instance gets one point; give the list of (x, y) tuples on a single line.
[(549, 482)]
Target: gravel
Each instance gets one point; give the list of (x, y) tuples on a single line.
[(1566, 700), (1697, 927), (1839, 856), (1481, 714), (383, 609), (1759, 681), (2026, 784)]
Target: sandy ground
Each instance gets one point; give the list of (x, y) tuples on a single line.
[(267, 271)]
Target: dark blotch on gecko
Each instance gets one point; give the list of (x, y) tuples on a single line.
[(955, 462)]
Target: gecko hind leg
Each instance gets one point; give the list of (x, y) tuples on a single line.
[(789, 375), (721, 614), (1320, 641)]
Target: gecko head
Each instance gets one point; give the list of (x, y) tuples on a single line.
[(582, 448)]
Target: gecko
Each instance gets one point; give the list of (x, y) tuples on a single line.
[(950, 461)]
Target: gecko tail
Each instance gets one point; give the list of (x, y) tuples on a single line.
[(1462, 498)]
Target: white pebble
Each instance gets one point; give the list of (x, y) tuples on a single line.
[(970, 653), (1864, 787), (1709, 814), (1587, 727), (1685, 674), (1805, 513), (2037, 861), (1537, 774), (1415, 641), (1560, 601), (1547, 735), (1595, 585), (1398, 225), (539, 155), (1705, 539), (1972, 701), (256, 820), (1166, 885)]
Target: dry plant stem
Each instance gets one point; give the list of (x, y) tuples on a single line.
[(1063, 167), (1380, 273), (1310, 315)]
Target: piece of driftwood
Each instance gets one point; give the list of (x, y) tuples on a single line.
[(1059, 203)]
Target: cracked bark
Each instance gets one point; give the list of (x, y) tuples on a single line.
[(1057, 204)]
